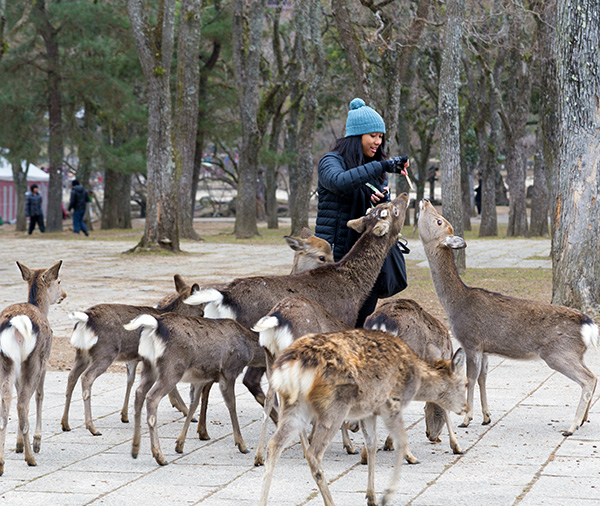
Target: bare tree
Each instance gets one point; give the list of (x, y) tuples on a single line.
[(247, 41), (155, 49), (449, 127), (576, 242)]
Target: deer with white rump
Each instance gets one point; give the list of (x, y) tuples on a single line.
[(485, 322), (195, 350), (100, 339), (25, 343), (340, 288), (354, 374)]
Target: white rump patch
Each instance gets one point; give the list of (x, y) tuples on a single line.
[(272, 335), (83, 337), (589, 334), (292, 380), (151, 346), (214, 303), (18, 340)]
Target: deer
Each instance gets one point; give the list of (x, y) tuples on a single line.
[(196, 350), (429, 339), (486, 322), (358, 374), (340, 287), (100, 339), (25, 343), (310, 251), (287, 321)]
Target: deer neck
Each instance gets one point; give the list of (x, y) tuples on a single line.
[(38, 298), (449, 287), (430, 386)]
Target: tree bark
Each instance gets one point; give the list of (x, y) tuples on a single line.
[(116, 211), (539, 197), (449, 120), (20, 182), (576, 243), (186, 110), (155, 49), (247, 41), (55, 135)]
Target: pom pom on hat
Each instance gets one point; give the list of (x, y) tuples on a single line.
[(362, 119)]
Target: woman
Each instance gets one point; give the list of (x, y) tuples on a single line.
[(357, 159)]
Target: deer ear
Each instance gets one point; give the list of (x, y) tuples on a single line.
[(180, 285), (294, 243), (358, 225), (454, 242), (305, 233), (26, 272), (52, 273), (458, 360)]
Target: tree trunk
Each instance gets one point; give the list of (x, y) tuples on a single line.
[(247, 41), (539, 198), (449, 120), (271, 172), (20, 182), (55, 137), (155, 49), (186, 110), (116, 211), (576, 243)]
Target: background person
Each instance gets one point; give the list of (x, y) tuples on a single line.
[(33, 208), (356, 159), (78, 202)]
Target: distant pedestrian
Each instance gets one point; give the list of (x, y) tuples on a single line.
[(33, 208), (79, 199), (478, 197)]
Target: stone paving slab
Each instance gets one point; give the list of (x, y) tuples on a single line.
[(520, 458)]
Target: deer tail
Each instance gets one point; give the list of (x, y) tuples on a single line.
[(589, 334), (18, 338), (151, 346)]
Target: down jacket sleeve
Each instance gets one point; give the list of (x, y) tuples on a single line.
[(334, 176)]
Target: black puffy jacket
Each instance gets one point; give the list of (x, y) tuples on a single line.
[(339, 188), (33, 205), (79, 198)]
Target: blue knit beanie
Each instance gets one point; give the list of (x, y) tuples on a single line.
[(362, 119)]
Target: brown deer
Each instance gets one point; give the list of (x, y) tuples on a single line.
[(25, 343), (430, 340), (341, 287), (486, 322), (287, 321), (100, 339), (199, 351), (357, 374)]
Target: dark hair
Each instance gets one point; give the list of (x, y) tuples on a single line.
[(74, 182), (33, 187), (350, 148)]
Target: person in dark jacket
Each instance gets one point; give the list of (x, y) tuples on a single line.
[(33, 208), (79, 199), (357, 159)]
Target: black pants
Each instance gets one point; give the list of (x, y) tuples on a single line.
[(39, 219), (367, 308)]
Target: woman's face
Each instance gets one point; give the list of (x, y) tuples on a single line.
[(370, 143)]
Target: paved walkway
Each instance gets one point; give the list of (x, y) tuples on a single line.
[(521, 458)]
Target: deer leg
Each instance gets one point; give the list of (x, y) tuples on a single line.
[(156, 393), (291, 424), (369, 429), (177, 402), (227, 386), (395, 425), (188, 419), (130, 379), (202, 432), (259, 458), (252, 383), (148, 378), (346, 441), (454, 445), (572, 367), (95, 369), (481, 381), (81, 362), (24, 393), (5, 399), (322, 436), (473, 367), (39, 400)]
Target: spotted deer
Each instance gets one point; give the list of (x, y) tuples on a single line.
[(486, 322), (354, 374), (25, 343), (100, 339)]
